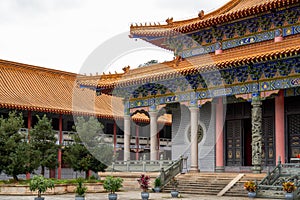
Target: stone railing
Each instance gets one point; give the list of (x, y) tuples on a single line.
[(179, 166), (271, 185), (68, 138), (139, 165)]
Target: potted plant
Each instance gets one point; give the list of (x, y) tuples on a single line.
[(112, 184), (157, 184), (174, 183), (289, 188), (80, 189), (251, 187), (144, 182), (41, 184)]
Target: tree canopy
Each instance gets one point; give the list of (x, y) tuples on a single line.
[(43, 140), (89, 151), (16, 156)]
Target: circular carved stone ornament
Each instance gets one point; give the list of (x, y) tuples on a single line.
[(200, 133)]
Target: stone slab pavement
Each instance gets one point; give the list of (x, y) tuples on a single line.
[(133, 195)]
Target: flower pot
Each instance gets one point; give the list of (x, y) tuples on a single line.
[(251, 194), (39, 198), (289, 195), (156, 189), (174, 193), (78, 197), (112, 196), (145, 195)]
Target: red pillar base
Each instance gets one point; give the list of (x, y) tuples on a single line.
[(220, 169)]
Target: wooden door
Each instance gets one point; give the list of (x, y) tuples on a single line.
[(234, 153)]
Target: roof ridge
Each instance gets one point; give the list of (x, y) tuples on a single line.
[(27, 67)]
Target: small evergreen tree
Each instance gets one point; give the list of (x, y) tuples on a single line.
[(43, 140), (88, 151), (16, 156)]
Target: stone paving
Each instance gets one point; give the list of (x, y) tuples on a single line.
[(134, 195)]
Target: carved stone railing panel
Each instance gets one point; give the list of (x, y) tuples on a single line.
[(139, 165), (271, 185), (171, 171)]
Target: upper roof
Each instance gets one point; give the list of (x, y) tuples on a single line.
[(28, 87), (256, 52), (233, 10)]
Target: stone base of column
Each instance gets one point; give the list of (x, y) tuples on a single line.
[(194, 169), (220, 169), (256, 169)]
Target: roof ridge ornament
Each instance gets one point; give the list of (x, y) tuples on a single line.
[(177, 60), (126, 69), (201, 14), (169, 21)]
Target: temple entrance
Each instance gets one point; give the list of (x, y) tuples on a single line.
[(238, 142), (247, 142)]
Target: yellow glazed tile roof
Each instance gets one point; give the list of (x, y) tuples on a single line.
[(249, 53), (233, 10), (27, 87)]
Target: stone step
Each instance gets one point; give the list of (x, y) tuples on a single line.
[(213, 183), (238, 188)]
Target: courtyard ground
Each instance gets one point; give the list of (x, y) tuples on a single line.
[(134, 195)]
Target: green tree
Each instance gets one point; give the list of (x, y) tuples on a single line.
[(88, 152), (16, 156), (43, 140)]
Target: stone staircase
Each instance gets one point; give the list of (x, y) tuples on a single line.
[(212, 183), (238, 188)]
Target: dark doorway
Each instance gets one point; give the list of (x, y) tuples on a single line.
[(247, 142)]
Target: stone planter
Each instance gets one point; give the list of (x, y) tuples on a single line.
[(112, 196), (156, 189), (174, 194), (289, 195), (145, 195), (251, 194), (77, 197), (39, 198)]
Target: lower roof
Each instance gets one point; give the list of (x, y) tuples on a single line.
[(27, 87)]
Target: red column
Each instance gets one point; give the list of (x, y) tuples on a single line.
[(137, 142), (158, 145), (279, 127), (52, 173), (59, 150), (28, 128), (219, 136), (115, 138)]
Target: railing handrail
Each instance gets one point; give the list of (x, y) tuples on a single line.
[(275, 171), (171, 171), (103, 134)]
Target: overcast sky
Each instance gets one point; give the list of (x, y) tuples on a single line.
[(62, 34)]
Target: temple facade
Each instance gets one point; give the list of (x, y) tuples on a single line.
[(228, 101), (232, 89)]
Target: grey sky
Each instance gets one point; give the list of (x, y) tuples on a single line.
[(61, 34)]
